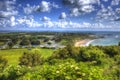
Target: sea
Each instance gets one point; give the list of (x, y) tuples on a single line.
[(106, 39), (103, 38)]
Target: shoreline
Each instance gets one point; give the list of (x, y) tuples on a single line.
[(88, 43), (84, 42)]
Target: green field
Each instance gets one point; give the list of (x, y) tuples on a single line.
[(12, 55), (2, 43)]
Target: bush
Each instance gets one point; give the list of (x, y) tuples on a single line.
[(64, 70), (25, 42), (67, 52), (119, 44), (111, 50), (3, 63), (35, 42), (30, 59), (92, 55)]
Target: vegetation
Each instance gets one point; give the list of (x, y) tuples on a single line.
[(119, 44), (13, 55), (25, 42), (3, 63), (30, 59), (69, 63), (1, 43)]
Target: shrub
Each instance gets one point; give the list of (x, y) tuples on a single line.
[(30, 59), (3, 63), (92, 55)]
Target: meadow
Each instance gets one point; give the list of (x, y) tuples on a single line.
[(13, 55), (2, 43)]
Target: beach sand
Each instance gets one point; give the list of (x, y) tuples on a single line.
[(84, 42)]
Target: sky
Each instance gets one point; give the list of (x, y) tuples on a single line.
[(60, 15)]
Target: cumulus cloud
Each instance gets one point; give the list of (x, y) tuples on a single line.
[(30, 9), (115, 2), (79, 7), (7, 12), (12, 20), (101, 10), (28, 21), (44, 6), (7, 8), (75, 25), (117, 10), (63, 15), (105, 13), (45, 19)]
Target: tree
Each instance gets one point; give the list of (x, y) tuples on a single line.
[(92, 55), (30, 59), (119, 44), (3, 63), (112, 50), (10, 44), (25, 42), (67, 52), (35, 42)]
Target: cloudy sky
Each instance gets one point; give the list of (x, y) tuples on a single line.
[(60, 14)]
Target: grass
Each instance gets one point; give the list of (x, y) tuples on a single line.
[(1, 43), (13, 55), (63, 42)]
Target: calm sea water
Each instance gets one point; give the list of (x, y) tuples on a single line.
[(106, 41)]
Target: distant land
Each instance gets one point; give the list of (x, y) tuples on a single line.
[(65, 30)]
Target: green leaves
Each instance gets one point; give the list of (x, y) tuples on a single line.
[(31, 59), (3, 63)]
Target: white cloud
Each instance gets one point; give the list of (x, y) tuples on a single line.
[(79, 7), (75, 12), (6, 14), (7, 8), (29, 9), (87, 8), (44, 6), (28, 21), (45, 19), (102, 11), (115, 2), (117, 10), (12, 20), (63, 15)]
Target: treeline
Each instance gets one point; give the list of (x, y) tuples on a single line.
[(69, 63)]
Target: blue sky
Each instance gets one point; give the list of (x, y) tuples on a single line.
[(59, 14)]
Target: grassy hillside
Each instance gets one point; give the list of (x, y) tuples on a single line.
[(12, 55), (69, 63), (1, 43)]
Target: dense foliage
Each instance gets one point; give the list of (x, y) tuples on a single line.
[(69, 63), (30, 59), (3, 63)]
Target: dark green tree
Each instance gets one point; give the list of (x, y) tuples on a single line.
[(30, 59), (119, 44), (3, 63), (10, 44)]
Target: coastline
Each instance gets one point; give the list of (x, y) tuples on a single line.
[(88, 43), (84, 42)]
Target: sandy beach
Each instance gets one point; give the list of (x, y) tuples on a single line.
[(84, 42)]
